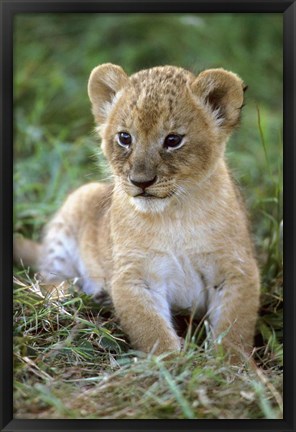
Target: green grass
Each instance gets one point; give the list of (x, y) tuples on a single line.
[(72, 359)]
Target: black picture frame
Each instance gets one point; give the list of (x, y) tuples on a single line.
[(11, 7)]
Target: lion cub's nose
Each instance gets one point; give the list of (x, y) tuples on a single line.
[(143, 184)]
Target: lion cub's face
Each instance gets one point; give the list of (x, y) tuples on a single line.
[(163, 129)]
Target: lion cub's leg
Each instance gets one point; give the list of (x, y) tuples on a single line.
[(144, 314), (233, 310), (58, 259)]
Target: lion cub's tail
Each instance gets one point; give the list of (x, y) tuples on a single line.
[(26, 251)]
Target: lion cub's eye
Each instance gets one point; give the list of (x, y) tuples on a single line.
[(124, 139), (173, 141)]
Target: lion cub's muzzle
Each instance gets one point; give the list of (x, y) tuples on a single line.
[(144, 187)]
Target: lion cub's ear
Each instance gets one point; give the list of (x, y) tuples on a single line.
[(222, 94), (104, 83)]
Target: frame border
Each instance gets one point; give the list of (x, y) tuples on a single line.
[(8, 8)]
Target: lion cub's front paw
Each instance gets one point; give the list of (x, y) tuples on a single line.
[(167, 345)]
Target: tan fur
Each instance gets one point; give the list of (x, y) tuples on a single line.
[(186, 247)]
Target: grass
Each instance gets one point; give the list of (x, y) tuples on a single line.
[(72, 346), (69, 345)]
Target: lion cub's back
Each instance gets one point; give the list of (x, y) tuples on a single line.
[(87, 203)]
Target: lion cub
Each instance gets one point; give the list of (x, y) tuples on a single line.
[(170, 232)]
